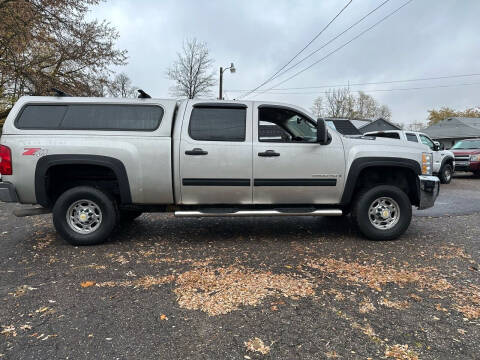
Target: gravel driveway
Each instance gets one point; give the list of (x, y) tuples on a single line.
[(244, 288)]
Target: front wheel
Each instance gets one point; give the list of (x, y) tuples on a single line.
[(445, 174), (85, 215), (383, 212)]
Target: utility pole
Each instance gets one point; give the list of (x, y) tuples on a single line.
[(222, 70)]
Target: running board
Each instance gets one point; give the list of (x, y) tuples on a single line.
[(239, 213)]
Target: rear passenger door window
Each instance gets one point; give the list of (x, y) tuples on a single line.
[(412, 137), (218, 124)]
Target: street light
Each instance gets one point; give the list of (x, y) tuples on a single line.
[(222, 70)]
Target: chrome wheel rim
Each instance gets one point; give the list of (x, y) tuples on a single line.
[(448, 174), (384, 213), (84, 217)]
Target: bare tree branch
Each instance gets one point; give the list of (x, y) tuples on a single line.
[(192, 71)]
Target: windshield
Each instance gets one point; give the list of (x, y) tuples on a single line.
[(467, 144)]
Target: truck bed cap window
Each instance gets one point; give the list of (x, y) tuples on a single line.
[(108, 117)]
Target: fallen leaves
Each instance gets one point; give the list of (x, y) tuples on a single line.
[(87, 284), (399, 305), (22, 290), (163, 317), (366, 306), (448, 252), (222, 290), (400, 352), (373, 275), (145, 282), (8, 331), (256, 345), (42, 310)]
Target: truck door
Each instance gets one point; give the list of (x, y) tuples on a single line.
[(289, 166), (216, 154)]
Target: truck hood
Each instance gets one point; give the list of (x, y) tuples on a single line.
[(371, 140), (466, 152)]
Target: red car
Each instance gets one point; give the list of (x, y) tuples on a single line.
[(467, 155)]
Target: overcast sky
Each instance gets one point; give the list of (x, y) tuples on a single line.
[(427, 38)]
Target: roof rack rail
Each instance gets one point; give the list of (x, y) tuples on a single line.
[(59, 92), (143, 94)]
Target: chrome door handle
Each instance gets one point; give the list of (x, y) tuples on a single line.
[(196, 151), (268, 153)]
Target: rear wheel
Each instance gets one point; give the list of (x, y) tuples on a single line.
[(445, 174), (383, 212), (85, 215)]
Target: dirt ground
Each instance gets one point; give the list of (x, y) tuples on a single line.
[(245, 288)]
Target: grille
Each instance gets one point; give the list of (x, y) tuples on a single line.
[(462, 158)]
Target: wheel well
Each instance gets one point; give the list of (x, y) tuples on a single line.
[(448, 161), (403, 178), (60, 178)]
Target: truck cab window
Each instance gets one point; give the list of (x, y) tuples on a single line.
[(426, 141), (412, 137), (286, 125), (218, 124)]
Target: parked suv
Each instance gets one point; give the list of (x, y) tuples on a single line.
[(94, 162), (443, 160), (467, 155)]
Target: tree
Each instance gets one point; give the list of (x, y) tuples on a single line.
[(416, 126), (192, 71), (51, 43), (341, 103), (121, 86), (444, 112)]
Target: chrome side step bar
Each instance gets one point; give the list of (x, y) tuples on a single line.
[(239, 213)]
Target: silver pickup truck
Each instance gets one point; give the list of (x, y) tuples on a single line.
[(95, 162)]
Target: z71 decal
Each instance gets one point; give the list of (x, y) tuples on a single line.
[(38, 152)]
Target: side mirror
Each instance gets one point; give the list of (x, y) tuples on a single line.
[(322, 132), (436, 146)]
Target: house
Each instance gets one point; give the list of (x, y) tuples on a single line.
[(450, 130), (347, 126), (379, 125)]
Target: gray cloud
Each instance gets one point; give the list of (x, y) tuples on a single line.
[(425, 39)]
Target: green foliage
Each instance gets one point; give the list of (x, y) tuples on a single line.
[(444, 112)]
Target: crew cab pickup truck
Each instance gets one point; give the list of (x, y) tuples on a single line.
[(95, 162), (443, 160), (467, 155)]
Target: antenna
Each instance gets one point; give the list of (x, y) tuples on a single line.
[(143, 94), (60, 93)]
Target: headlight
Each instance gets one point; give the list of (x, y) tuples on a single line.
[(475, 157), (427, 163)]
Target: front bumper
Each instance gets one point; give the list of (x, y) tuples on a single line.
[(8, 192), (468, 166), (429, 188)]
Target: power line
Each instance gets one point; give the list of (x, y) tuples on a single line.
[(342, 46), (333, 39), (376, 90), (298, 53), (365, 83)]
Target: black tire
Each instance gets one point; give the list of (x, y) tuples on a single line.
[(104, 202), (366, 198), (445, 174), (127, 216)]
